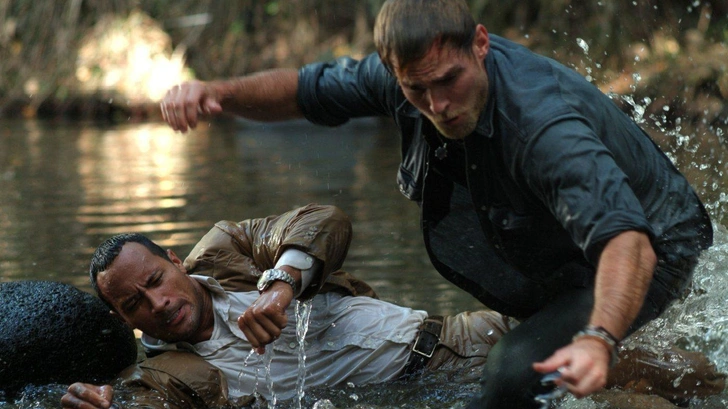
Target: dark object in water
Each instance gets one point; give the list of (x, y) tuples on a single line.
[(52, 332)]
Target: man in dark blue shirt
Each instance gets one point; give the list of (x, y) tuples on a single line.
[(538, 195)]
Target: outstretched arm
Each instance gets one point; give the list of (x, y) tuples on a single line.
[(623, 278), (264, 96)]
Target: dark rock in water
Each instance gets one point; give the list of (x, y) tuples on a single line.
[(52, 332)]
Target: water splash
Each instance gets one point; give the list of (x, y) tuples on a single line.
[(303, 315), (697, 323), (241, 374), (267, 361)]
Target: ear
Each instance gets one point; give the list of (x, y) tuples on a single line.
[(176, 260), (481, 42)]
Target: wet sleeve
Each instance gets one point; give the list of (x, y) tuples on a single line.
[(577, 178), (172, 380), (331, 93), (323, 232)]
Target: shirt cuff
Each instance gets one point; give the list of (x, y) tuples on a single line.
[(308, 265)]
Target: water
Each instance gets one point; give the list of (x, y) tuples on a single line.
[(67, 186), (303, 316)]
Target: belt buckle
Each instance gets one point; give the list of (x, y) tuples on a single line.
[(416, 349)]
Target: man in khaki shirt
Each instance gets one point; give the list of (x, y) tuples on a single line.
[(186, 303)]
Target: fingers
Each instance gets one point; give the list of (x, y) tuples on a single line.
[(583, 366), (582, 380), (183, 103), (260, 328), (263, 321), (86, 396)]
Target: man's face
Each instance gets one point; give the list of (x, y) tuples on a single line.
[(156, 295), (449, 86)]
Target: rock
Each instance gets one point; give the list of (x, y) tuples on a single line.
[(52, 332)]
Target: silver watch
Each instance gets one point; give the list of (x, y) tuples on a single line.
[(275, 274)]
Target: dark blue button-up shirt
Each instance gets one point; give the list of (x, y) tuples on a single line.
[(552, 171)]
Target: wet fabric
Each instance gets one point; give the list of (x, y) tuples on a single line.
[(508, 377), (553, 171), (236, 253), (467, 338), (349, 339)]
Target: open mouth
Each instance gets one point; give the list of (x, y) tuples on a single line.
[(175, 318)]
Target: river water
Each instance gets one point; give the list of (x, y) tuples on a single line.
[(66, 186)]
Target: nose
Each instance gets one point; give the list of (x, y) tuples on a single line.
[(158, 301), (438, 100)]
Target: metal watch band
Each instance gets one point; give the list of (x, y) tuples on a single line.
[(604, 335), (275, 274)]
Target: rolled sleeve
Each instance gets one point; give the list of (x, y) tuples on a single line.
[(331, 93)]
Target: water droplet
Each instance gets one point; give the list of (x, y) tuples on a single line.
[(584, 46)]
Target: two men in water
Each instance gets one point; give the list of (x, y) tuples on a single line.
[(232, 294), (538, 195)]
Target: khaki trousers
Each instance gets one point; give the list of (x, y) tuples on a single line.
[(466, 339)]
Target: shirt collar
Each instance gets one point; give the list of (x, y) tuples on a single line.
[(485, 120)]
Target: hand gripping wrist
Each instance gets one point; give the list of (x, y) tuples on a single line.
[(605, 336)]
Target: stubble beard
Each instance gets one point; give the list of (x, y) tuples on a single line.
[(469, 123)]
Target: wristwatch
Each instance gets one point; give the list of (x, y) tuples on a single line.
[(275, 274)]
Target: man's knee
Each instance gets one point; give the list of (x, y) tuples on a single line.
[(508, 377)]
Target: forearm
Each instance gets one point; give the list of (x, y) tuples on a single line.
[(264, 96), (623, 277)]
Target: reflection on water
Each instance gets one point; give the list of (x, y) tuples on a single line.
[(65, 187)]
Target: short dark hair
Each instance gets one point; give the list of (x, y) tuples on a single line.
[(107, 252), (406, 29)]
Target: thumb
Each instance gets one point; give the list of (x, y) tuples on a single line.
[(211, 106), (107, 392)]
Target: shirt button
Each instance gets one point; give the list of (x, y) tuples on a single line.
[(473, 167), (292, 345), (504, 222), (484, 208)]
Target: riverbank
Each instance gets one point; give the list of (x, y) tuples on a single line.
[(118, 68)]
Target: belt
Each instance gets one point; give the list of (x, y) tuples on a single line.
[(428, 338)]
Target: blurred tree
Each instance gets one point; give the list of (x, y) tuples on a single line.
[(39, 38)]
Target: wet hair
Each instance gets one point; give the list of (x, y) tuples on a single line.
[(107, 252), (406, 29)]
